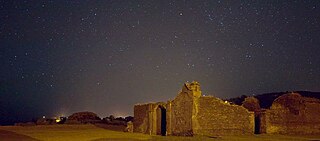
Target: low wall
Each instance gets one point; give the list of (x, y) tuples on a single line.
[(293, 114), (215, 117), (181, 113), (141, 118)]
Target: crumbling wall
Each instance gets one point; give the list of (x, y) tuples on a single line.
[(215, 117), (169, 118), (191, 114), (293, 114), (262, 119), (181, 115), (141, 118), (147, 118)]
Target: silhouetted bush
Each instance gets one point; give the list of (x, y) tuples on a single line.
[(237, 100), (83, 117), (114, 121), (128, 118), (45, 121), (251, 103)]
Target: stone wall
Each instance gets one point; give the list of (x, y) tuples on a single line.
[(293, 114), (262, 121), (147, 118), (181, 115), (169, 118), (141, 118), (215, 117), (192, 114)]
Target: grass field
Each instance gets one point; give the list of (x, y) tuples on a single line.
[(96, 133)]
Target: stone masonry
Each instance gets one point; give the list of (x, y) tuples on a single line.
[(292, 114), (190, 114)]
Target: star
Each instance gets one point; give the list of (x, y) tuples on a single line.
[(105, 50)]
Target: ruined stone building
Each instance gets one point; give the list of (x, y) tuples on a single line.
[(291, 114), (190, 113)]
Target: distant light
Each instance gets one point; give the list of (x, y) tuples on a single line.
[(43, 116), (226, 102), (58, 119)]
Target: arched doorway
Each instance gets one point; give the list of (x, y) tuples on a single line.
[(161, 121)]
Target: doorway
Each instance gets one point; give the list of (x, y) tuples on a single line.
[(257, 124), (161, 121)]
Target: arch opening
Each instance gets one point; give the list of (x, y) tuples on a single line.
[(161, 121)]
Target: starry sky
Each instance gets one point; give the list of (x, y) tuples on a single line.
[(60, 57)]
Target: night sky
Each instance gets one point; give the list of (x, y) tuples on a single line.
[(61, 57)]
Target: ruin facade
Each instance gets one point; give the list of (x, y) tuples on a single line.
[(291, 114), (190, 114)]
